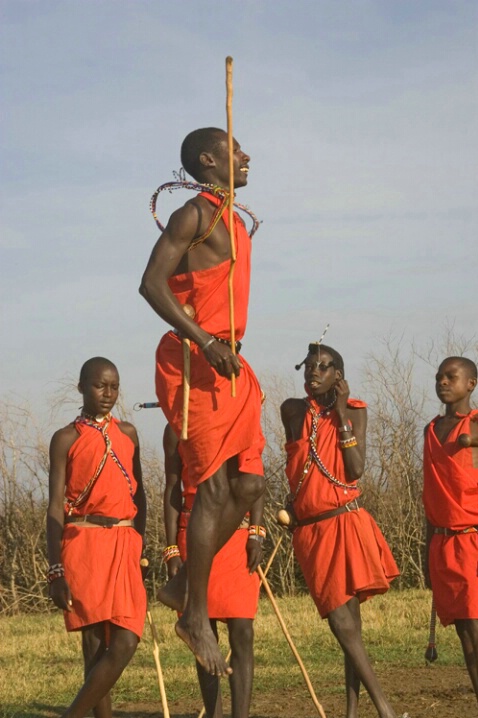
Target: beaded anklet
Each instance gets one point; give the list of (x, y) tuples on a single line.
[(171, 552)]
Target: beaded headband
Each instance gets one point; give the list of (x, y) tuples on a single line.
[(180, 182)]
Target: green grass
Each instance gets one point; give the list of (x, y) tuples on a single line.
[(41, 667)]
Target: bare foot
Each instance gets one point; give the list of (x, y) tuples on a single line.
[(202, 642), (174, 593)]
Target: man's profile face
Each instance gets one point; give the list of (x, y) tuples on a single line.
[(221, 160)]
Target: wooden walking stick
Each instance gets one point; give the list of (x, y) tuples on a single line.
[(144, 563), (189, 310), (431, 654), (310, 688), (266, 571), (230, 147)]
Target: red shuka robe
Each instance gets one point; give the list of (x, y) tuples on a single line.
[(346, 555), (232, 591), (219, 426), (450, 497), (102, 564)]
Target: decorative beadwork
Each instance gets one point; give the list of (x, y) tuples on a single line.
[(348, 443), (255, 530), (171, 552), (182, 183), (102, 427), (55, 571)]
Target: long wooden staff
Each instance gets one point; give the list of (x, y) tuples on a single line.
[(144, 563), (189, 310), (310, 688), (431, 654), (266, 571), (230, 147)]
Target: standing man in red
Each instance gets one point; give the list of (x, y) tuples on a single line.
[(95, 527), (450, 492), (340, 549), (190, 265)]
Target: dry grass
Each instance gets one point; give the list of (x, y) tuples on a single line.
[(40, 665)]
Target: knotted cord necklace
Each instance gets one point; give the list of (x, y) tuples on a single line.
[(102, 427), (181, 183), (313, 455)]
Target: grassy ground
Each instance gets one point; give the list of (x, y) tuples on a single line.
[(40, 665)]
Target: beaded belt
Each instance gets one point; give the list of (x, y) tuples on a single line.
[(452, 532), (97, 520), (218, 339), (351, 506)]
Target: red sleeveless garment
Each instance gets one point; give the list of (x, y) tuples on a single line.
[(219, 426), (450, 497), (346, 555), (102, 564)]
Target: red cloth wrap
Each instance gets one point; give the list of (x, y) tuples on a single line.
[(232, 591), (102, 564), (346, 555), (219, 426), (450, 497)]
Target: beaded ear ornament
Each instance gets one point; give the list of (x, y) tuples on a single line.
[(314, 347), (180, 182)]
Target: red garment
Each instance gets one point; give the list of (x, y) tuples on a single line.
[(450, 493), (232, 591), (346, 555), (102, 564), (219, 426)]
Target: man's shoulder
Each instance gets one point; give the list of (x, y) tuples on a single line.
[(292, 406), (64, 438)]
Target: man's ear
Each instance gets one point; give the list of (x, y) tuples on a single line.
[(207, 160), (79, 388), (473, 382), (339, 374)]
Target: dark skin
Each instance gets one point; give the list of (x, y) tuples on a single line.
[(102, 665), (240, 630), (222, 500), (454, 385), (325, 383)]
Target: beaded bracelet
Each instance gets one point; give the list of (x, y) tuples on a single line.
[(55, 571), (171, 552), (255, 537), (257, 531), (348, 443)]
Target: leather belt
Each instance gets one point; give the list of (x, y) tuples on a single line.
[(98, 521), (452, 532), (351, 506)]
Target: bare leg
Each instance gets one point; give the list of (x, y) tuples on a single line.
[(104, 674), (467, 629), (93, 640), (218, 509), (352, 681), (210, 688), (241, 638), (344, 626)]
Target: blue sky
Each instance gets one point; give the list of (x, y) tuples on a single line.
[(361, 119)]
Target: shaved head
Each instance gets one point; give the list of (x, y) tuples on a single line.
[(468, 365), (92, 365), (206, 139)]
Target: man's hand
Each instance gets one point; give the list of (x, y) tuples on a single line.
[(60, 594), (254, 554), (221, 358), (343, 393)]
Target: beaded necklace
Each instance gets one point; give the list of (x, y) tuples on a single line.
[(182, 183), (313, 455), (102, 427)]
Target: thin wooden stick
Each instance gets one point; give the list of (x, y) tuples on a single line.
[(230, 147), (186, 375), (431, 654), (162, 690), (310, 688), (266, 571)]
